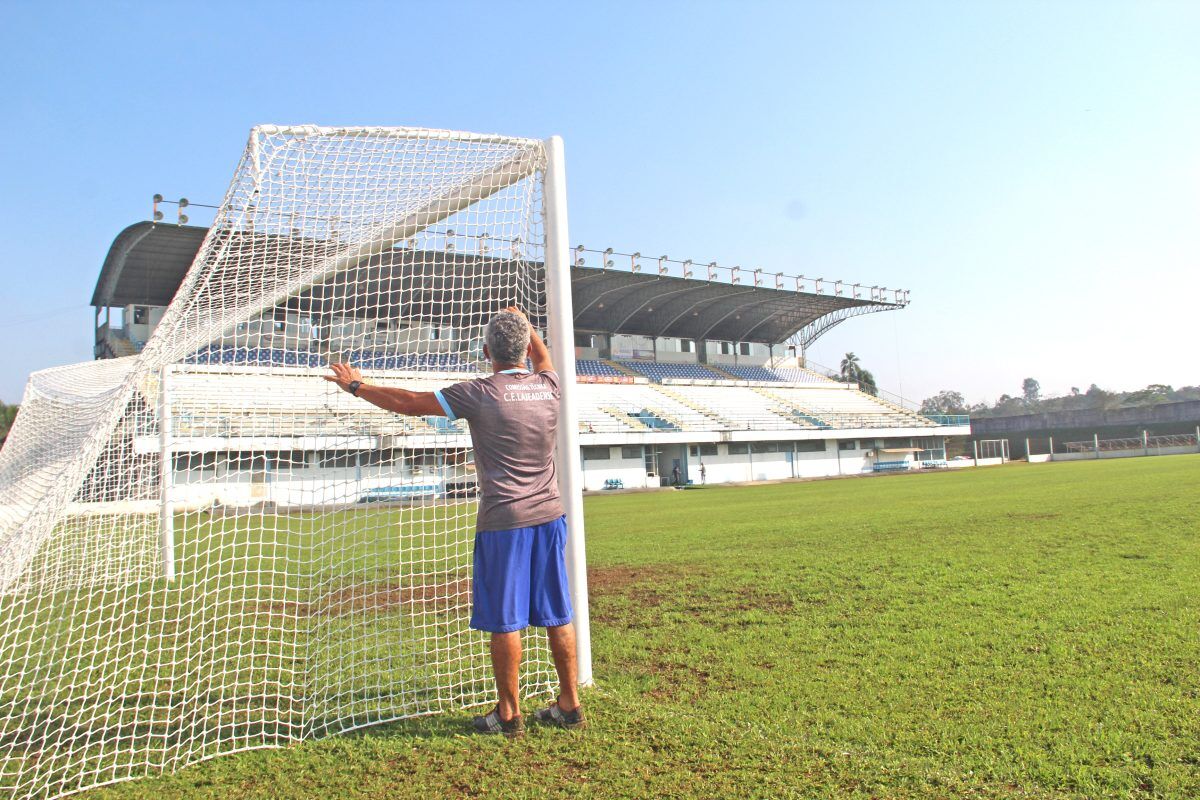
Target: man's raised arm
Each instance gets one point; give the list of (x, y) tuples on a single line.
[(400, 401), (539, 355)]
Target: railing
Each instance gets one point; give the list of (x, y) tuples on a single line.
[(949, 419), (609, 259)]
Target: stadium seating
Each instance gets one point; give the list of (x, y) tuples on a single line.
[(276, 403), (798, 375), (642, 404), (657, 371), (366, 359), (751, 373), (592, 366), (739, 407), (846, 408)]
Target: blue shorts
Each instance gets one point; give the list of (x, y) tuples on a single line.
[(521, 578)]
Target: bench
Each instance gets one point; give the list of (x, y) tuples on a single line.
[(890, 466), (614, 483)]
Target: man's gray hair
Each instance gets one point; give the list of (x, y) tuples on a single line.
[(507, 338)]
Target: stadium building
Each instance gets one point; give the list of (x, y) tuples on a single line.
[(682, 369)]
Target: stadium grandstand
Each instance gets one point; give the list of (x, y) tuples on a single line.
[(678, 365)]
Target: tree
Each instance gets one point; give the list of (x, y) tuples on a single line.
[(944, 402), (850, 367), (1031, 391), (866, 382), (8, 415)]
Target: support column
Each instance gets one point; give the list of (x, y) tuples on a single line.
[(1096, 443), (166, 479), (562, 348), (1028, 453), (1145, 442), (975, 447)]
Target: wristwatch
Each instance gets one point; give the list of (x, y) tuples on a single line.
[(353, 387)]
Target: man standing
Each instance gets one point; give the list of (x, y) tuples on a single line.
[(520, 575), (703, 474)]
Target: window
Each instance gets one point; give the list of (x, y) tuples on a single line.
[(744, 348), (698, 450), (738, 448), (630, 451), (246, 462), (195, 461), (769, 447), (847, 444), (726, 348), (866, 444), (339, 459), (596, 453), (687, 346), (811, 446), (288, 459), (141, 315)]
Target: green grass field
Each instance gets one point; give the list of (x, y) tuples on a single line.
[(1024, 631)]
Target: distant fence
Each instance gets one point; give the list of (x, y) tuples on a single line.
[(1124, 447), (1132, 443)]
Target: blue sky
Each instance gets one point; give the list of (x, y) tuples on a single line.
[(1031, 171)]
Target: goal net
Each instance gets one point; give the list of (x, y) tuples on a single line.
[(207, 548)]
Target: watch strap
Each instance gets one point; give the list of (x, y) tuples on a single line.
[(353, 387)]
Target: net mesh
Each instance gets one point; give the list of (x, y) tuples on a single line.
[(206, 548)]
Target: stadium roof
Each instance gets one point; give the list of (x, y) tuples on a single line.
[(147, 263)]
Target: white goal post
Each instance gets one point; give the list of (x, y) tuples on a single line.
[(207, 548)]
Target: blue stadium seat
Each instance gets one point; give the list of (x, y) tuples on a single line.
[(752, 373), (657, 371)]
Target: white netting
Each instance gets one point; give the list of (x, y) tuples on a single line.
[(320, 547)]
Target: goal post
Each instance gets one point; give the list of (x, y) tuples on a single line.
[(562, 343), (206, 547)]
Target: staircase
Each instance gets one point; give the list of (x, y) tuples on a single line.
[(621, 368), (729, 376), (907, 412), (699, 409), (790, 411), (624, 418)]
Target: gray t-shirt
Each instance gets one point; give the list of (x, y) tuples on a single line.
[(513, 418)]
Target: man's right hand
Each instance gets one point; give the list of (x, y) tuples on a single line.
[(343, 374)]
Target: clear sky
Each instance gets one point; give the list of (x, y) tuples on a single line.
[(1030, 171)]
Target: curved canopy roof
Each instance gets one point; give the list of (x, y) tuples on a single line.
[(147, 263)]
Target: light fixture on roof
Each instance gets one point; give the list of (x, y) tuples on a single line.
[(662, 265), (579, 256), (687, 268), (183, 203), (635, 262), (157, 215), (608, 251)]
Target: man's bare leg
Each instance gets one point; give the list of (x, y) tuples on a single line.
[(562, 647), (506, 664)]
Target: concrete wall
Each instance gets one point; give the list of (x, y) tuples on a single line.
[(630, 471)]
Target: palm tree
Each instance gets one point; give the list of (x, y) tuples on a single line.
[(866, 382), (850, 367)]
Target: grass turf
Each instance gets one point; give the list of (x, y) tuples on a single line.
[(1025, 631)]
